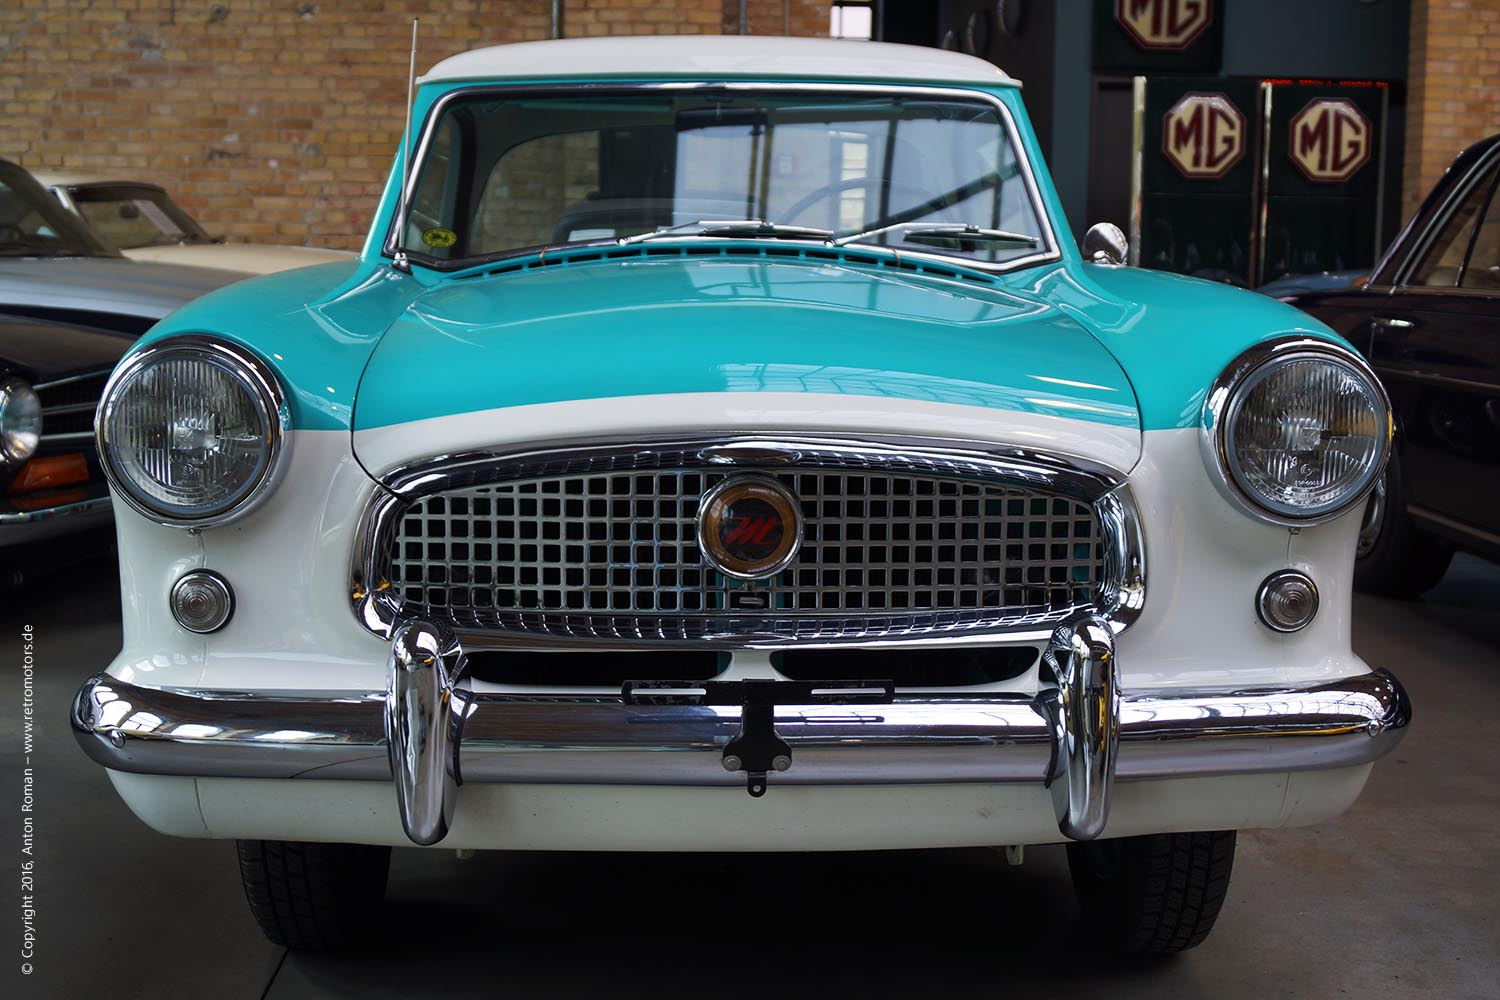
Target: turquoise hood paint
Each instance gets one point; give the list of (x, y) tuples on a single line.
[(1171, 334), (1118, 346), (727, 324), (315, 326)]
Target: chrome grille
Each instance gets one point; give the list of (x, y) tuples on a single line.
[(613, 553), (68, 407)]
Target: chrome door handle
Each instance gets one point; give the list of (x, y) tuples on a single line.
[(1391, 323)]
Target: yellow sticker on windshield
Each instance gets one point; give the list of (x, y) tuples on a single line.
[(440, 239)]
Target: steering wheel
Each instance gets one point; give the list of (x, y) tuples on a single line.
[(871, 184)]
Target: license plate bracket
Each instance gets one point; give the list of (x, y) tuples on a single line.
[(757, 749)]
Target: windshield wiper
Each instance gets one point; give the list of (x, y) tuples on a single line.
[(939, 232), (735, 228)]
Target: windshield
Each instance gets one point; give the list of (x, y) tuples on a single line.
[(504, 174), (33, 224), (136, 215)]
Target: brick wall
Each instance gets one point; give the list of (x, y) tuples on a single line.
[(273, 120), (1454, 95)]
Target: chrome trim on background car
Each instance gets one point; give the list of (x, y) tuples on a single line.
[(19, 527), (379, 607), (1051, 250), (74, 509)]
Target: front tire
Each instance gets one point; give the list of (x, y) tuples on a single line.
[(1153, 895), (1395, 558), (314, 897)]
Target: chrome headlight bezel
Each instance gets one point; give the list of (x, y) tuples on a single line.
[(13, 388), (267, 396), (1222, 405)]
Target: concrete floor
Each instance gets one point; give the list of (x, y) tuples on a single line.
[(1398, 898)]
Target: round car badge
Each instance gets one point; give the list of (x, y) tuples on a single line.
[(749, 527)]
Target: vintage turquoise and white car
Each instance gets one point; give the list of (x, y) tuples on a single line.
[(713, 415)]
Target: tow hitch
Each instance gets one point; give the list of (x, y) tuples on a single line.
[(756, 749)]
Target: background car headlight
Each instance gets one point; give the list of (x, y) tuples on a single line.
[(1297, 430), (191, 431), (20, 421)]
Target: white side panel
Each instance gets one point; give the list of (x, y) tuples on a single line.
[(385, 448), (794, 818), (1205, 561), (288, 563)]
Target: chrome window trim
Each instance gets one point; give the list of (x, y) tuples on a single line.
[(1477, 173), (1051, 248), (1223, 396), (271, 398), (379, 609)]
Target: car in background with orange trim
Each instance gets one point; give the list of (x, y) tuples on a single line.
[(51, 375)]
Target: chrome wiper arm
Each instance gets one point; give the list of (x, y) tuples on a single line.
[(731, 228), (917, 231)]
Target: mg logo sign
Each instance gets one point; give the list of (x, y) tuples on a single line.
[(1331, 139), (1164, 24), (1203, 135)]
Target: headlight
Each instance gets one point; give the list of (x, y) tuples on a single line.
[(190, 431), (1296, 430), (20, 421)]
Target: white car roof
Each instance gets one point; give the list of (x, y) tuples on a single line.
[(715, 56)]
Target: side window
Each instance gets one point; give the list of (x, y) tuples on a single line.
[(1444, 260), (1482, 269), (528, 196)]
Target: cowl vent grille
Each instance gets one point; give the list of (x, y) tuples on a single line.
[(739, 251)]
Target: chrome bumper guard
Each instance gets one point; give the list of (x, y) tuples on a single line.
[(1078, 736)]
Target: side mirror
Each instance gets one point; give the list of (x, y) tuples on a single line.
[(1105, 244)]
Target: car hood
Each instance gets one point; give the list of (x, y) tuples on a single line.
[(676, 327), (246, 258), (111, 285), (41, 351)]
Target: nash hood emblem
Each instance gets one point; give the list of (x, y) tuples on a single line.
[(749, 527)]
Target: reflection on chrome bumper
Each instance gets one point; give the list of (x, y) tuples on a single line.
[(1083, 734)]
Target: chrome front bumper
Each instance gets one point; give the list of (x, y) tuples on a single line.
[(1078, 736)]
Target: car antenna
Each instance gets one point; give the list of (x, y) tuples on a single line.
[(400, 261)]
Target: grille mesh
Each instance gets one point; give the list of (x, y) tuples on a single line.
[(615, 554)]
